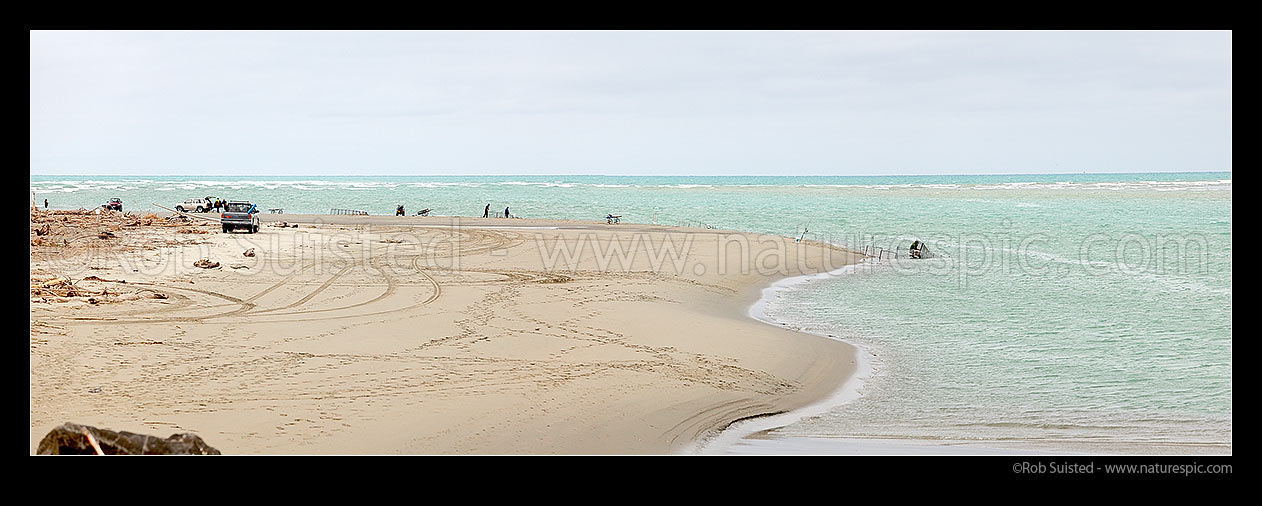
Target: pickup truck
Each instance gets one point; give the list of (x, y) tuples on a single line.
[(240, 214), (115, 205)]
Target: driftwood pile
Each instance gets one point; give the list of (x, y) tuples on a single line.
[(61, 228), (63, 289)]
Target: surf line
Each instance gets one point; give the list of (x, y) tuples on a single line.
[(718, 442)]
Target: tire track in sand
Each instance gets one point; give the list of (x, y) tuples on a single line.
[(438, 290), (243, 306), (309, 296), (392, 286)]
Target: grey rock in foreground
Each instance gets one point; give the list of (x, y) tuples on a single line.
[(69, 439)]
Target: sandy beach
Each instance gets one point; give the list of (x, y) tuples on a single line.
[(411, 335)]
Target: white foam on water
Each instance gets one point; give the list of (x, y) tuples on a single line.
[(847, 392), (444, 185), (556, 184), (855, 446), (502, 227)]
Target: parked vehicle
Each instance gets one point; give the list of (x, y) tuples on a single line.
[(240, 214), (115, 205), (919, 250), (193, 206)]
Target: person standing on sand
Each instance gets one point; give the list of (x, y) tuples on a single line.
[(46, 204), (505, 212), (486, 213)]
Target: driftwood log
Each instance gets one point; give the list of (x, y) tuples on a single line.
[(75, 439)]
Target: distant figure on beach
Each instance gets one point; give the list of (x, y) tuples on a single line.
[(486, 213), (399, 211), (505, 212), (46, 204)]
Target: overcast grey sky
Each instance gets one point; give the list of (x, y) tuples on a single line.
[(628, 103)]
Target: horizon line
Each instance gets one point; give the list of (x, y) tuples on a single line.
[(661, 175)]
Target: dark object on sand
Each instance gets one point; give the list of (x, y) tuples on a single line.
[(74, 439)]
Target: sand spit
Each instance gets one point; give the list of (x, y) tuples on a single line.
[(371, 335)]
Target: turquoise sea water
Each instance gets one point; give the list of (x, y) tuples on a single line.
[(1057, 310)]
